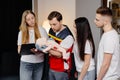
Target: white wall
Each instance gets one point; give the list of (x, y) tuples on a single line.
[(65, 7), (70, 10), (87, 8)]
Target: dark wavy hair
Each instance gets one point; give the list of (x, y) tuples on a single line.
[(83, 34), (55, 14)]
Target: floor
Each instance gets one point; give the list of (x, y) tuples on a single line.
[(10, 78)]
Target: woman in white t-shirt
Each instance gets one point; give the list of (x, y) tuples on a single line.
[(84, 50), (31, 64)]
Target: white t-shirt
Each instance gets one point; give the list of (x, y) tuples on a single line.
[(32, 58), (109, 44), (67, 43), (78, 62)]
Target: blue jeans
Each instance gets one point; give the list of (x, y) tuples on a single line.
[(90, 75), (55, 75), (31, 71)]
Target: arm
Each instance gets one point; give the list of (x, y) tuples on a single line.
[(19, 47), (85, 66), (50, 44), (58, 52), (66, 44), (55, 46), (105, 66), (19, 41), (55, 53)]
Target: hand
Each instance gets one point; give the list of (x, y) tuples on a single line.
[(76, 74), (98, 79), (36, 51), (79, 78)]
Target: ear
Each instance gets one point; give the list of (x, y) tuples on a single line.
[(61, 22), (105, 20)]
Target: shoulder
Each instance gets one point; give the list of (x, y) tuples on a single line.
[(43, 32), (67, 30), (68, 39), (20, 33), (65, 33), (42, 29), (112, 35)]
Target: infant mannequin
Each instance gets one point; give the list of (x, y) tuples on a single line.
[(45, 45)]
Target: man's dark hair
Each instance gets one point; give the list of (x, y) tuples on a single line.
[(105, 11), (55, 14)]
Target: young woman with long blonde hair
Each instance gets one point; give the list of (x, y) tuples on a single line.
[(31, 64)]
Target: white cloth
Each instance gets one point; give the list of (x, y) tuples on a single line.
[(78, 62), (32, 58), (109, 44), (67, 43)]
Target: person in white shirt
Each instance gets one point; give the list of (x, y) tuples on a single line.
[(31, 64), (108, 56), (84, 49)]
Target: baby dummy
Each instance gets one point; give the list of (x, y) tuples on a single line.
[(45, 45)]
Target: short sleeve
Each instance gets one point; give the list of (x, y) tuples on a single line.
[(88, 48), (19, 42), (43, 32), (109, 44), (67, 42)]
